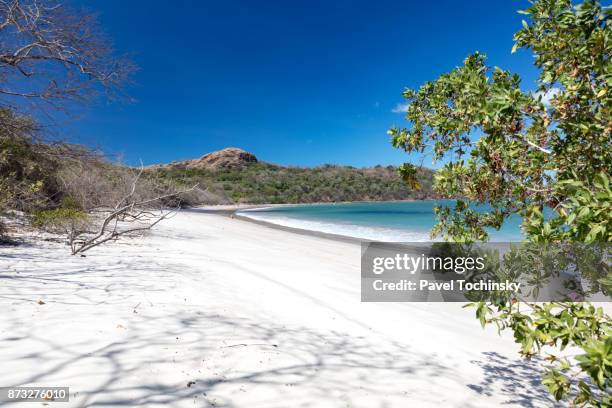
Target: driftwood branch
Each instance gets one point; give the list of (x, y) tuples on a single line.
[(130, 215)]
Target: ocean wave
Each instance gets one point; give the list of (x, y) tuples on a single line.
[(371, 233)]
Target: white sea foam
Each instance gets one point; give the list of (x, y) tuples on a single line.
[(345, 229)]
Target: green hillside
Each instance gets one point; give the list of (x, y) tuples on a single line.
[(262, 182)]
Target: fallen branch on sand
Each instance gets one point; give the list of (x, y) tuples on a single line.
[(129, 216)]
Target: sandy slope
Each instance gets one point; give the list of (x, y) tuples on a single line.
[(253, 316)]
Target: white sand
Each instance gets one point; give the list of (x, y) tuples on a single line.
[(254, 316)]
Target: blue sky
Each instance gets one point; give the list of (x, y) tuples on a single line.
[(296, 83)]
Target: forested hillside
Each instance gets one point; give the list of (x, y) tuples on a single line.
[(262, 182)]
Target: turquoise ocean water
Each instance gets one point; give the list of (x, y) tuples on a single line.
[(405, 221)]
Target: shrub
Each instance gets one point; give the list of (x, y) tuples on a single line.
[(58, 219)]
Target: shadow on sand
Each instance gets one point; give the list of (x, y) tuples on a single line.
[(180, 355)]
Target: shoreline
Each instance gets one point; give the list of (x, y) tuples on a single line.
[(231, 213), (363, 232)]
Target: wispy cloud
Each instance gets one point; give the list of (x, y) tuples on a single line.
[(400, 108), (547, 96)]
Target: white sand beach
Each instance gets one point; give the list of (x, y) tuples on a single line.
[(211, 311)]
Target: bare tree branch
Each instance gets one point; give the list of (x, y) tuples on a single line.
[(540, 148), (49, 52), (133, 214)]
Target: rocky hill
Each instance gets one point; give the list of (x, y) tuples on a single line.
[(229, 158)]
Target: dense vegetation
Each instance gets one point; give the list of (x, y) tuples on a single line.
[(543, 152), (267, 183)]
